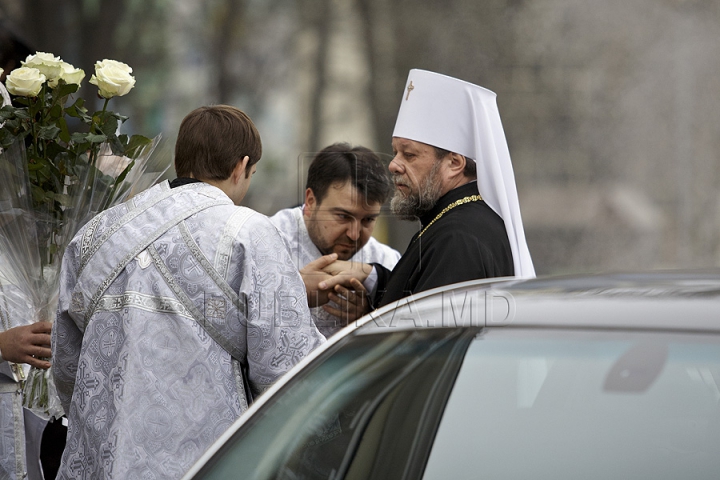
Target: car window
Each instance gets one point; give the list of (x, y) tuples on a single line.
[(560, 404), (368, 408)]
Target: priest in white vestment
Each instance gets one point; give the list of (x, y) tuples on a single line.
[(345, 190), (175, 308)]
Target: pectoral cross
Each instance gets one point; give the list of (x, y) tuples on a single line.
[(410, 88)]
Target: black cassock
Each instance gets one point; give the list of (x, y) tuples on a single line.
[(466, 243)]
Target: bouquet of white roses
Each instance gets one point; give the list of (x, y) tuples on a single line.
[(60, 165)]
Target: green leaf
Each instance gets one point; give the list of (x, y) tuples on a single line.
[(56, 112), (110, 126), (49, 132), (6, 138), (64, 131), (77, 110), (38, 194), (78, 137), (6, 112), (23, 114), (34, 167), (93, 138), (83, 141), (124, 173), (62, 199), (56, 152), (116, 145), (121, 118), (136, 144), (63, 89)]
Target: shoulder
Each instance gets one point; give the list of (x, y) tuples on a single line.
[(250, 217), (475, 219), (162, 188), (475, 227), (255, 225), (101, 222), (287, 218)]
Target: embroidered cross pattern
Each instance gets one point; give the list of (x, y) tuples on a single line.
[(116, 377), (86, 384), (291, 350), (77, 304), (191, 268), (107, 456), (215, 307), (108, 342)]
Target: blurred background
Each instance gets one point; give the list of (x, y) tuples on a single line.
[(611, 109)]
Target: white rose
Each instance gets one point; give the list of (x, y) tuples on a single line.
[(70, 74), (48, 64), (112, 78), (25, 82)]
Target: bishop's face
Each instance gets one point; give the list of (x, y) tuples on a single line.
[(417, 174), (342, 223)]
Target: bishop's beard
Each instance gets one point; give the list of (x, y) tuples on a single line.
[(417, 203)]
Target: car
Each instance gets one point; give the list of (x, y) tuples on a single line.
[(605, 376)]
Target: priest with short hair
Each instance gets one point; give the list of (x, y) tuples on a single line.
[(175, 309)]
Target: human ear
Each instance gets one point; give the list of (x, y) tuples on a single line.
[(457, 162), (310, 200), (238, 172)]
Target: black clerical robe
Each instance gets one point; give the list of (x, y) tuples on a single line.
[(466, 243)]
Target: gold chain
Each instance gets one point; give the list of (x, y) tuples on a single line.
[(471, 198)]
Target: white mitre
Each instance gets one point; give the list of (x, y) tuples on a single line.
[(463, 118)]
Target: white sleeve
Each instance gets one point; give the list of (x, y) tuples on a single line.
[(371, 281), (280, 329)]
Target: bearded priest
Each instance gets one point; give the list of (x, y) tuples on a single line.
[(452, 171)]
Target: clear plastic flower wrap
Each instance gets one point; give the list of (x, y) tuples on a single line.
[(52, 182)]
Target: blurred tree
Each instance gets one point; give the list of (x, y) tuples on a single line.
[(466, 39), (226, 31), (378, 20), (83, 32), (316, 16)]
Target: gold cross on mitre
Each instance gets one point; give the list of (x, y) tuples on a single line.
[(410, 88)]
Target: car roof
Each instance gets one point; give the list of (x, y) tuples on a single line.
[(660, 300)]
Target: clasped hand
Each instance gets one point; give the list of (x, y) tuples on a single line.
[(329, 279)]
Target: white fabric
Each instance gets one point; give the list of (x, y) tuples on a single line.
[(5, 95), (463, 118), (292, 227), (371, 281), (147, 388)]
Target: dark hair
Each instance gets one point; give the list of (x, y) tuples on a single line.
[(212, 140), (470, 169), (340, 163)]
